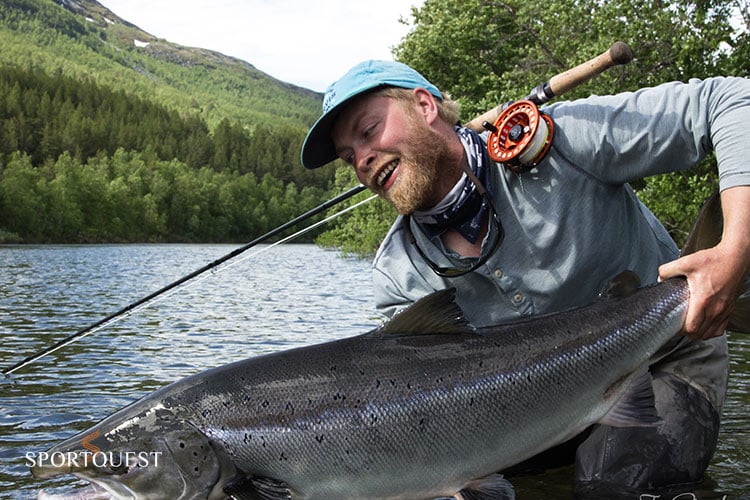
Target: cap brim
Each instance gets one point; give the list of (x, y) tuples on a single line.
[(318, 148)]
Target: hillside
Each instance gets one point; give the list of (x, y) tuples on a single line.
[(110, 134), (82, 38)]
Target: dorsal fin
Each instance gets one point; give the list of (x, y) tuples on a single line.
[(435, 313), (621, 286)]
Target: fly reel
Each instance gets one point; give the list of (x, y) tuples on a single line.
[(520, 137)]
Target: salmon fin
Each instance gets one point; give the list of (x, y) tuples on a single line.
[(739, 321), (636, 407), (492, 487), (708, 227), (621, 286), (436, 313), (257, 488), (706, 233)]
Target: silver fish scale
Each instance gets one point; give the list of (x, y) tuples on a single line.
[(391, 416)]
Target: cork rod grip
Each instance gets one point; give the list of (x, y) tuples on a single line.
[(619, 53)]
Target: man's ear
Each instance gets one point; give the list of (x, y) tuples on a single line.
[(426, 104)]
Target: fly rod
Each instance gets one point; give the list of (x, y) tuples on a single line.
[(618, 53), (130, 307)]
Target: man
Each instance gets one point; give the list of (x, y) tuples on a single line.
[(549, 237)]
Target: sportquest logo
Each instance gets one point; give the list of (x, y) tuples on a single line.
[(94, 456)]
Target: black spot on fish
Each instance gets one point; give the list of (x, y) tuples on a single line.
[(290, 407), (247, 438), (182, 445), (265, 404), (377, 383), (471, 402), (283, 457), (206, 413), (319, 439)]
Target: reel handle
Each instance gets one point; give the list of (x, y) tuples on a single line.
[(619, 53)]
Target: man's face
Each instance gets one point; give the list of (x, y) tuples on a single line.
[(394, 151)]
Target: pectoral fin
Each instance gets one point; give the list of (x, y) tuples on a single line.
[(636, 407), (493, 487), (257, 488)]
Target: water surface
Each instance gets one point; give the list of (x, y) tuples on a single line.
[(281, 297)]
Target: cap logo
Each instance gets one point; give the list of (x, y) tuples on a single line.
[(329, 100)]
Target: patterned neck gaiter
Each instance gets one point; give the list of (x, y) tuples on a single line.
[(463, 207)]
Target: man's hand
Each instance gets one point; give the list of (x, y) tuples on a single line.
[(715, 274)]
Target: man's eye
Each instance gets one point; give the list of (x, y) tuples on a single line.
[(368, 131)]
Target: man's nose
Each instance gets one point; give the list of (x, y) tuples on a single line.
[(365, 159)]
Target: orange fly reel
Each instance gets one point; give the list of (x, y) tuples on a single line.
[(520, 137)]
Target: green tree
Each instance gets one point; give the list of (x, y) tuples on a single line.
[(23, 193), (488, 52)]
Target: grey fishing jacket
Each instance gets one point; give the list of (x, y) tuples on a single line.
[(572, 223)]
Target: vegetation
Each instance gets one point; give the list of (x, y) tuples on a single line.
[(484, 53), (90, 42), (178, 145), (128, 197), (108, 133)]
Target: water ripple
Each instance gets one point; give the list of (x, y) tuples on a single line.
[(291, 296)]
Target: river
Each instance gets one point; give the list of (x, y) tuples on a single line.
[(275, 298)]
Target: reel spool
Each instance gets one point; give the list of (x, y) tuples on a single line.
[(520, 137)]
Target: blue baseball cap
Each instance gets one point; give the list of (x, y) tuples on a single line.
[(318, 148)]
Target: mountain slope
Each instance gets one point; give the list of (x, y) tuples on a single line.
[(84, 39)]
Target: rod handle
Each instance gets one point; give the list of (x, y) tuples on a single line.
[(619, 53)]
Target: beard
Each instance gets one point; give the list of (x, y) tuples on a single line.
[(423, 154)]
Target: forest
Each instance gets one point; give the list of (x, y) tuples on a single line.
[(104, 142), (84, 163)]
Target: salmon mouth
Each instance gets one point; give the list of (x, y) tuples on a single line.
[(92, 491)]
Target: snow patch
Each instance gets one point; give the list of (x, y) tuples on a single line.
[(140, 44)]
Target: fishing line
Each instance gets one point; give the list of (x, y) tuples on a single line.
[(194, 278)]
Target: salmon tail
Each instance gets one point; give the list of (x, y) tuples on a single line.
[(706, 233)]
